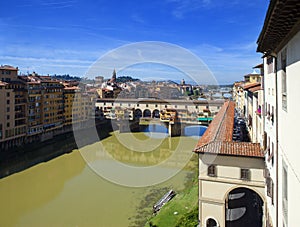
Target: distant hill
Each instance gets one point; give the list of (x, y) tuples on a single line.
[(66, 77), (124, 79)]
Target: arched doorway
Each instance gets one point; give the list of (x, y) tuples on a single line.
[(244, 208), (147, 113), (211, 223), (137, 114), (155, 113)]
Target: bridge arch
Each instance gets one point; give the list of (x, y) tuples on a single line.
[(138, 113), (147, 113), (155, 113)]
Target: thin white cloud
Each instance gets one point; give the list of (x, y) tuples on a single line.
[(182, 7), (228, 64), (32, 59)]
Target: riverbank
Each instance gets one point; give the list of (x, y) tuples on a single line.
[(182, 210), (185, 202), (28, 155)]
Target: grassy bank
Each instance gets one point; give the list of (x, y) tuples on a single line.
[(182, 210)]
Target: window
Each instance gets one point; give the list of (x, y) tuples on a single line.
[(211, 171), (7, 102), (284, 193), (7, 94), (283, 80), (268, 113), (269, 150), (245, 174), (270, 64), (7, 117), (272, 115), (7, 125), (211, 223), (265, 141), (7, 109)]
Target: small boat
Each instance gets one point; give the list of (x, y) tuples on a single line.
[(166, 198)]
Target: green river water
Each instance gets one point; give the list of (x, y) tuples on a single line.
[(66, 191)]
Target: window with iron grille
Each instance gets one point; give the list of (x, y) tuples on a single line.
[(245, 174), (211, 171)]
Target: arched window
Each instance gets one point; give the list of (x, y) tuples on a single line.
[(211, 223)]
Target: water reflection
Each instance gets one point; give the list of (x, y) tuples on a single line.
[(194, 130), (156, 131)]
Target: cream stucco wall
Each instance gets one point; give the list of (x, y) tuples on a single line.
[(213, 191), (288, 133)]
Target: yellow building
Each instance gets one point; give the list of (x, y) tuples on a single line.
[(52, 104), (77, 106), (35, 111)]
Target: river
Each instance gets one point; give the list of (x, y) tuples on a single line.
[(70, 190)]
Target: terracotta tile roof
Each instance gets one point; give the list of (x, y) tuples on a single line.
[(256, 88), (8, 67), (221, 128), (232, 148), (71, 88), (217, 139), (250, 85)]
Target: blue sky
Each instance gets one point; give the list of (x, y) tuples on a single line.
[(68, 36)]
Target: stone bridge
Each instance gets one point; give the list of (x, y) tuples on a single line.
[(150, 108), (174, 113)]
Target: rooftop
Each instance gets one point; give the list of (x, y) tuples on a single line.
[(217, 139), (256, 88), (251, 85), (8, 67), (221, 128), (282, 21)]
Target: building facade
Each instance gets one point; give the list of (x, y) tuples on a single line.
[(13, 96), (36, 108), (279, 42), (231, 176)]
